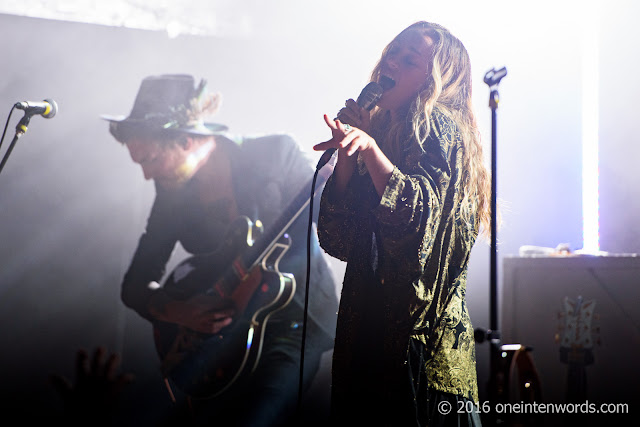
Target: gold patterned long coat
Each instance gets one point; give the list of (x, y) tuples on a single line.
[(403, 325)]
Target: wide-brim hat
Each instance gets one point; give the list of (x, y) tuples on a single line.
[(172, 103)]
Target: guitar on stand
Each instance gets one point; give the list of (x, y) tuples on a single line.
[(577, 339), (243, 274), (513, 377)]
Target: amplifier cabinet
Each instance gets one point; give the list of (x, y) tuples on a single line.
[(581, 316)]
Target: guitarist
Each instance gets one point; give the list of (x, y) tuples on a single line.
[(204, 180)]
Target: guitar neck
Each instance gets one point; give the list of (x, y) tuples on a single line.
[(300, 202)]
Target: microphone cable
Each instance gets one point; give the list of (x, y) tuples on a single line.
[(368, 98), (324, 159), (6, 156)]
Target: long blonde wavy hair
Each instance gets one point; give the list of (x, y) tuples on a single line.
[(447, 87)]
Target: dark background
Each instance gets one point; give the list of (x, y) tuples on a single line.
[(72, 204)]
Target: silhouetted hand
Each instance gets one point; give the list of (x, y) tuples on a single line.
[(93, 399)]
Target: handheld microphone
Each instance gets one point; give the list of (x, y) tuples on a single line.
[(47, 108), (368, 98)]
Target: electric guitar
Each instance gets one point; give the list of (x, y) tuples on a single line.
[(244, 275), (577, 344)]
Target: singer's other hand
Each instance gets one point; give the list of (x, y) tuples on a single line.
[(355, 115), (348, 139)]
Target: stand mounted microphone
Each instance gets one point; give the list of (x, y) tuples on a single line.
[(493, 76), (47, 108)]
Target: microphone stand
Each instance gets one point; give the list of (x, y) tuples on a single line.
[(492, 79), (21, 128)]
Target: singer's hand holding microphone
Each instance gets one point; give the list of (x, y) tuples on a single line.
[(355, 115), (345, 136), (348, 129)]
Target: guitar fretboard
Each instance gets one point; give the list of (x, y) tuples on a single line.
[(299, 203)]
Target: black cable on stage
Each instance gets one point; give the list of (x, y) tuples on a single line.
[(326, 157), (13, 143), (7, 125)]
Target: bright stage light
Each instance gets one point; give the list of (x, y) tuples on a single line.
[(590, 129)]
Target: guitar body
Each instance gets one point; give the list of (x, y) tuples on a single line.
[(206, 365), (514, 381)]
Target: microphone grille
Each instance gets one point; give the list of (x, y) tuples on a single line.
[(370, 96), (54, 109)]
